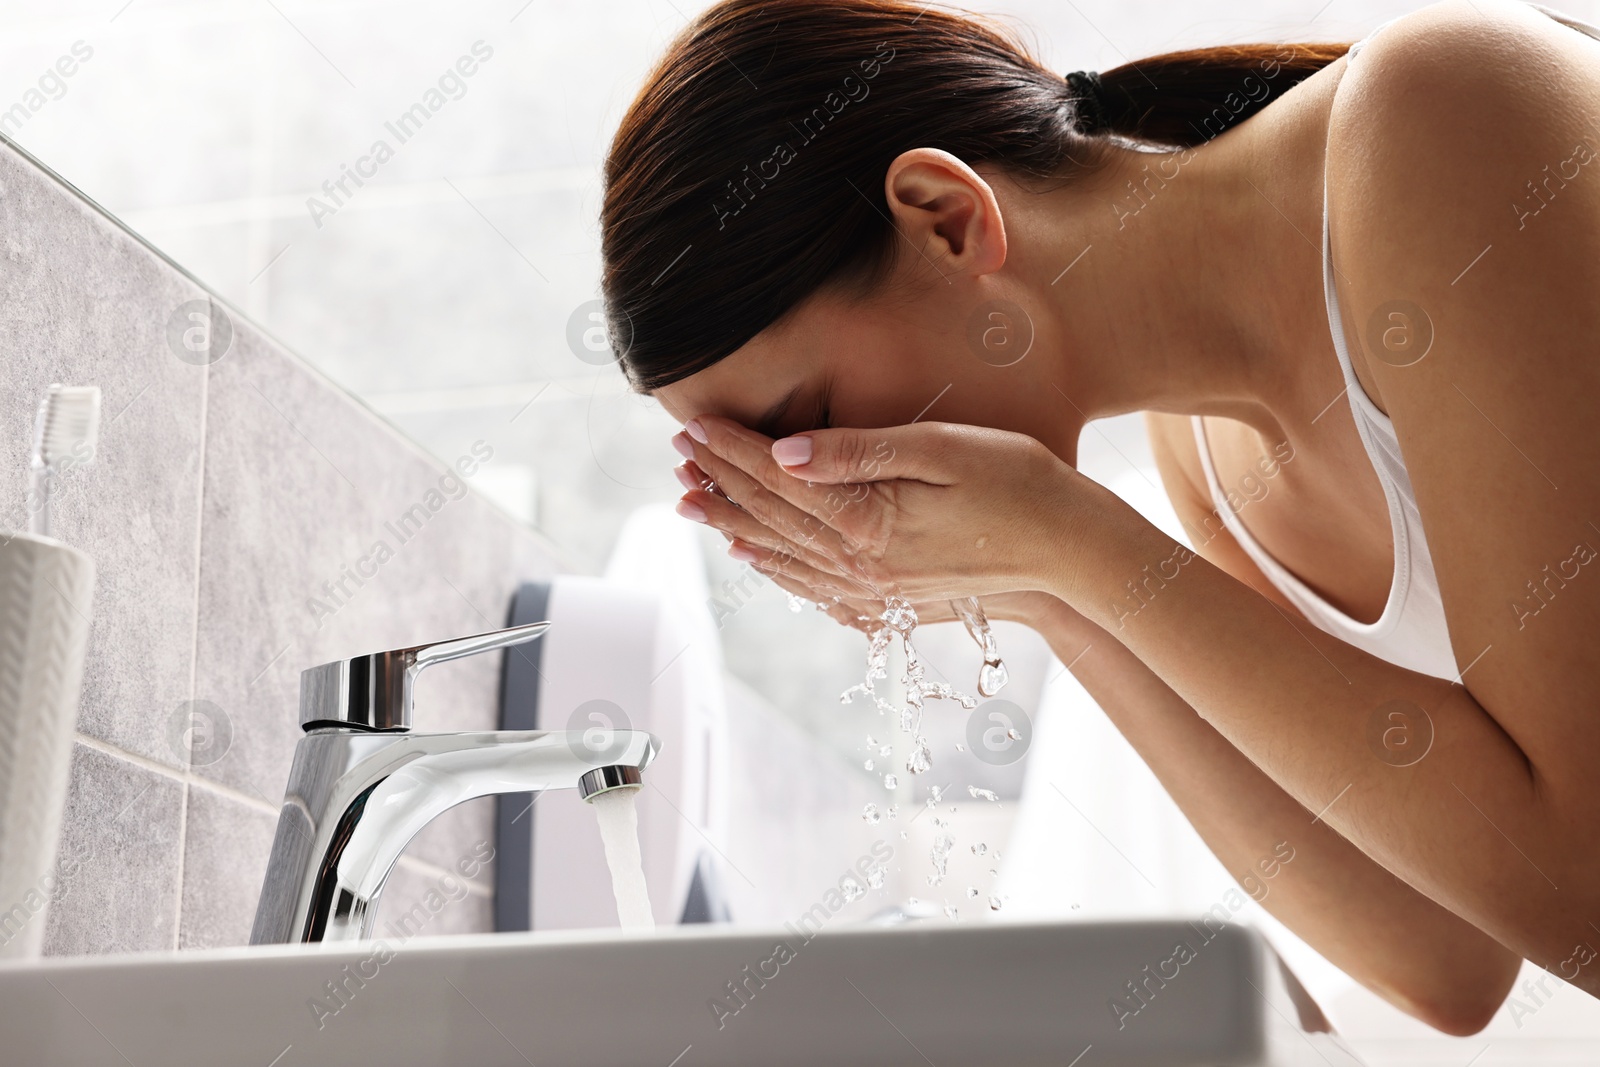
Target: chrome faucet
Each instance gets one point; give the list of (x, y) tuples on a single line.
[(362, 784)]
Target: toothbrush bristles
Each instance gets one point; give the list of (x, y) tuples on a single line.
[(69, 425)]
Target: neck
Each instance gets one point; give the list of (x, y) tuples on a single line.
[(1201, 288)]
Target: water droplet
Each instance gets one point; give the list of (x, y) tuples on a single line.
[(875, 878), (870, 814), (972, 892), (891, 782), (894, 809), (853, 890), (960, 747), (974, 792), (868, 765), (992, 677), (950, 912), (942, 844), (980, 849), (1075, 907), (1012, 733), (935, 794), (994, 903), (796, 602), (871, 741), (921, 758), (886, 751), (903, 835)]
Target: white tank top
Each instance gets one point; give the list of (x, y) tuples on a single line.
[(1412, 631)]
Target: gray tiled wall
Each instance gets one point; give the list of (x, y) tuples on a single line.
[(222, 501)]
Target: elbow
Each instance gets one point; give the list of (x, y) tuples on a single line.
[(1457, 1017), (1462, 1004)]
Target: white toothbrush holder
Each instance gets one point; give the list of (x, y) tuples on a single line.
[(46, 594)]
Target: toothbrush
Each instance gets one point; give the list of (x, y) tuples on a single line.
[(64, 436)]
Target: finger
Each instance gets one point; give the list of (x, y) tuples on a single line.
[(922, 452), (826, 582), (692, 477), (737, 523), (794, 523), (751, 453)]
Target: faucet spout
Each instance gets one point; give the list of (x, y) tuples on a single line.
[(356, 798)]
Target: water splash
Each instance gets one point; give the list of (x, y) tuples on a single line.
[(899, 619), (987, 794), (992, 676), (942, 844)]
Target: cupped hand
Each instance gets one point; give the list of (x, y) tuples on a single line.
[(928, 512)]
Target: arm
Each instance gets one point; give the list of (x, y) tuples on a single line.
[(1380, 931)]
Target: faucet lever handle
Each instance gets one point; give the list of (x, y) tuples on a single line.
[(374, 692)]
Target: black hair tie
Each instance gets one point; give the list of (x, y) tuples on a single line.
[(1091, 110)]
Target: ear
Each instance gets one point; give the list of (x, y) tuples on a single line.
[(946, 211)]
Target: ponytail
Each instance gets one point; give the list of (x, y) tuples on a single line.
[(1186, 98)]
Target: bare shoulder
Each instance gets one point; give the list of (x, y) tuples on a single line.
[(1456, 135), (1463, 185), (1502, 54), (1466, 96)]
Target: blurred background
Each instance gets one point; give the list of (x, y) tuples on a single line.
[(450, 290)]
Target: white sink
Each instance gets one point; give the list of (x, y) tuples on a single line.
[(924, 994)]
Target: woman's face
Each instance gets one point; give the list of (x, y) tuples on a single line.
[(937, 352)]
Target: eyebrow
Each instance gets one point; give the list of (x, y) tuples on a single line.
[(767, 426)]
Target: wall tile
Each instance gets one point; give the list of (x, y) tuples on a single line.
[(451, 838), (122, 829), (87, 304), (419, 902), (225, 850)]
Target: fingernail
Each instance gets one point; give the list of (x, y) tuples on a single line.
[(792, 451), (695, 430), (691, 511), (743, 554), (686, 479), (683, 445)]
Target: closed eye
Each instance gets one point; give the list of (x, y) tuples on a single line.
[(824, 416)]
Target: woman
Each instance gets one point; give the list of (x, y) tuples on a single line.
[(885, 267)]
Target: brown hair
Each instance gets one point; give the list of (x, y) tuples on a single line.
[(748, 172)]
